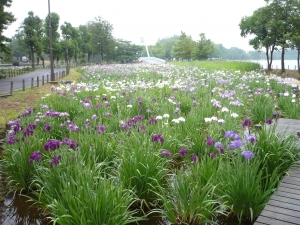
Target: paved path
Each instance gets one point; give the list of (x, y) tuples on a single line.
[(17, 80), (284, 206)]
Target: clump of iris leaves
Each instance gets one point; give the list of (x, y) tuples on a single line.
[(129, 141)]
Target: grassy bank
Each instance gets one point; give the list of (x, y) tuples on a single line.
[(216, 65), (13, 106)]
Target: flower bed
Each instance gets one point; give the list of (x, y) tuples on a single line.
[(133, 140)]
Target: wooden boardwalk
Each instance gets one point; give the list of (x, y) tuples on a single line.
[(284, 206)]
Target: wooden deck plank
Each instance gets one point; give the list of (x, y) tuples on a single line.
[(272, 221), (289, 190), (288, 195), (284, 205), (291, 186), (286, 200), (290, 181), (283, 211), (279, 216)]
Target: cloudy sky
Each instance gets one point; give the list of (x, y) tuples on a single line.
[(151, 19)]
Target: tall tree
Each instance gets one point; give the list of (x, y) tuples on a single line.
[(265, 36), (102, 40), (284, 15), (30, 33), (183, 48), (203, 48), (6, 18)]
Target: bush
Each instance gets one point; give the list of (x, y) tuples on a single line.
[(16, 63), (82, 61)]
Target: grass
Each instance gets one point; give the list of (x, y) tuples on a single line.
[(216, 65)]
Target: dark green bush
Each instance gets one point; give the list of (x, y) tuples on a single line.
[(16, 63)]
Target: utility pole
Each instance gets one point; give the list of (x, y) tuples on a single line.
[(52, 75)]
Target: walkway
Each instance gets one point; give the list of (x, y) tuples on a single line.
[(284, 206), (17, 80)]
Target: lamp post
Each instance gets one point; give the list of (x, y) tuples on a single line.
[(52, 75), (67, 57), (99, 43)]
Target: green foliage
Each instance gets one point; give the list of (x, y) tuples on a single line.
[(261, 108), (204, 47), (6, 18), (276, 151), (67, 189), (244, 188), (189, 198), (16, 63), (217, 64)]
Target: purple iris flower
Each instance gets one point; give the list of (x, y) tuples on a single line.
[(218, 144), (235, 144), (152, 121), (194, 158), (251, 139), (183, 152), (12, 140), (158, 138), (35, 156), (166, 153), (52, 144), (55, 161), (247, 154), (209, 141), (47, 127), (213, 155), (269, 121), (247, 123)]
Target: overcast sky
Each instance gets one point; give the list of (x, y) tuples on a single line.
[(151, 19)]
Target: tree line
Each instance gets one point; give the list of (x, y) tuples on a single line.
[(274, 27)]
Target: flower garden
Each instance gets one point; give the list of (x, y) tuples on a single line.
[(129, 141)]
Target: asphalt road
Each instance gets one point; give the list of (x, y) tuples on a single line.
[(5, 84)]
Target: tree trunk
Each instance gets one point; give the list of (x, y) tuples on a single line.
[(43, 62), (32, 58), (282, 60), (268, 59)]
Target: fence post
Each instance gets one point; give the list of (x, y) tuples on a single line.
[(47, 78), (31, 82), (37, 81), (23, 84), (11, 87), (43, 80), (288, 67)]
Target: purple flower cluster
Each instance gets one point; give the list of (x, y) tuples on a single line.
[(247, 123), (29, 130), (247, 154), (55, 161), (52, 144), (12, 139), (209, 141), (251, 139), (71, 143), (100, 128), (183, 152), (158, 138), (35, 156), (47, 127)]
